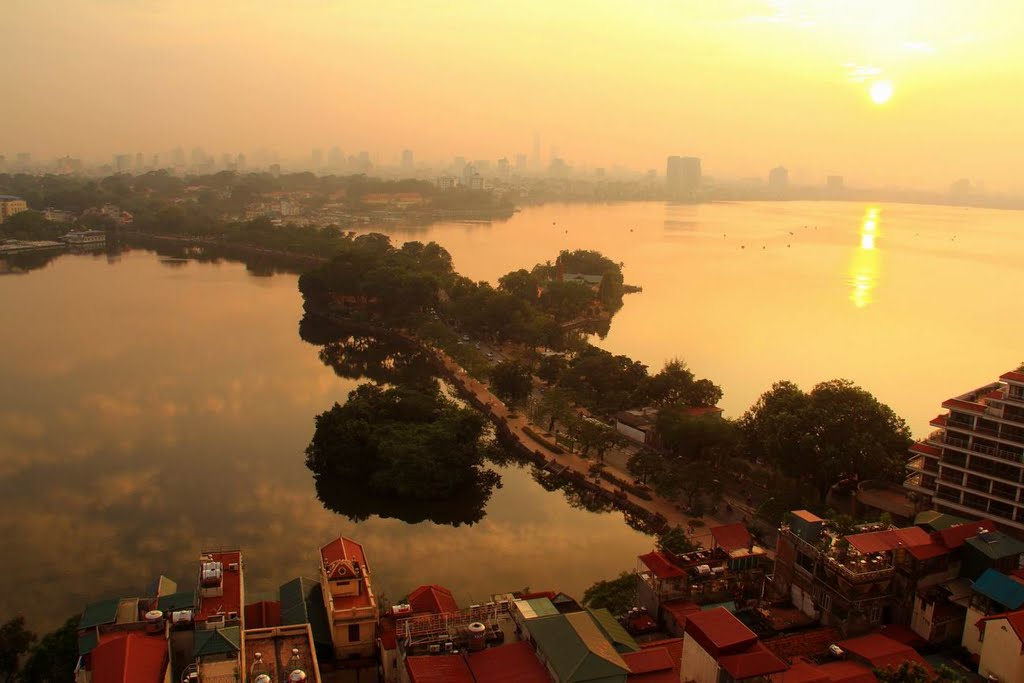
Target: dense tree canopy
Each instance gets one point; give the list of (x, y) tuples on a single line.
[(617, 595), (836, 430), (605, 382), (15, 640), (53, 658), (512, 382), (406, 441)]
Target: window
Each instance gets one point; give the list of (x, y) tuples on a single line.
[(353, 633)]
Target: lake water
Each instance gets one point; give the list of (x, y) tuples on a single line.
[(154, 408), (913, 303), (151, 408)]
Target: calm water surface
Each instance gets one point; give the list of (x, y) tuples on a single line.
[(151, 409), (914, 303)]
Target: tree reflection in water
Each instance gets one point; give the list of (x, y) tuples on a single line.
[(357, 352)]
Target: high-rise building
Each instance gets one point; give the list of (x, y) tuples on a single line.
[(178, 156), (407, 159), (140, 162), (536, 150), (122, 163), (682, 177), (335, 159), (503, 167), (778, 178), (974, 462), (520, 162)]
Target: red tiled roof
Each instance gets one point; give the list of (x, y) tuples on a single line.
[(938, 421), (847, 672), (130, 658), (438, 669), (927, 552), (513, 663), (995, 394), (680, 610), (891, 539), (646, 661), (674, 648), (1012, 376), (719, 632), (730, 537), (757, 660), (902, 634), (1015, 619), (882, 651), (803, 644), (926, 448), (434, 599), (263, 614), (801, 672), (662, 567), (953, 537), (343, 548), (961, 404), (231, 587)]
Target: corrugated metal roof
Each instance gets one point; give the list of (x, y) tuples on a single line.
[(1001, 588), (614, 631), (218, 641), (176, 601), (99, 613), (302, 603), (996, 545), (536, 607), (575, 651)]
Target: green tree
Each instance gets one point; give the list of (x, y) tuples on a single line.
[(710, 438), (617, 595), (646, 465), (53, 659), (675, 541), (555, 405), (15, 641), (836, 430), (521, 283), (512, 382), (550, 368), (593, 434), (406, 441)]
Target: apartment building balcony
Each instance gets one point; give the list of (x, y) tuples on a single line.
[(861, 569)]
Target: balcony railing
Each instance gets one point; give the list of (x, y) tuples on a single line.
[(987, 450), (955, 441)]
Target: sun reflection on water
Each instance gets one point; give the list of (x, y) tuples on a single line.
[(864, 266)]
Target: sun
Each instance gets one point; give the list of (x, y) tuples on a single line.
[(881, 92)]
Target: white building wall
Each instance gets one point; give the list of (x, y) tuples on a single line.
[(1001, 653), (971, 639), (631, 432), (921, 619), (697, 665)]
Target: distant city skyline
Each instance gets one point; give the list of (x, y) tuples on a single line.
[(913, 94)]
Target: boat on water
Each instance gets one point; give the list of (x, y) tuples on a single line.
[(85, 238)]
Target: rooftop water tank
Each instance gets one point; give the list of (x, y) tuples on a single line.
[(477, 636), (154, 621)]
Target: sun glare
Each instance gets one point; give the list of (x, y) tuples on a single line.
[(881, 92)]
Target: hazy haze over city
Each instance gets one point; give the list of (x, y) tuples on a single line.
[(909, 92)]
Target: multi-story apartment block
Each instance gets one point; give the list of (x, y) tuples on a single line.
[(973, 463), (10, 205)]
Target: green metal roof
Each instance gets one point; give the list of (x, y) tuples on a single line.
[(542, 607), (614, 631), (937, 521), (996, 545), (176, 601), (302, 602), (99, 613), (219, 641), (87, 642), (576, 649)]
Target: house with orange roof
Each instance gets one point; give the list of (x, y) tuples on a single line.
[(719, 647), (349, 600)]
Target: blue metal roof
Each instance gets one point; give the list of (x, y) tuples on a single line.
[(1001, 588)]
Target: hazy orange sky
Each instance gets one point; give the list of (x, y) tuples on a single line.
[(744, 84)]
